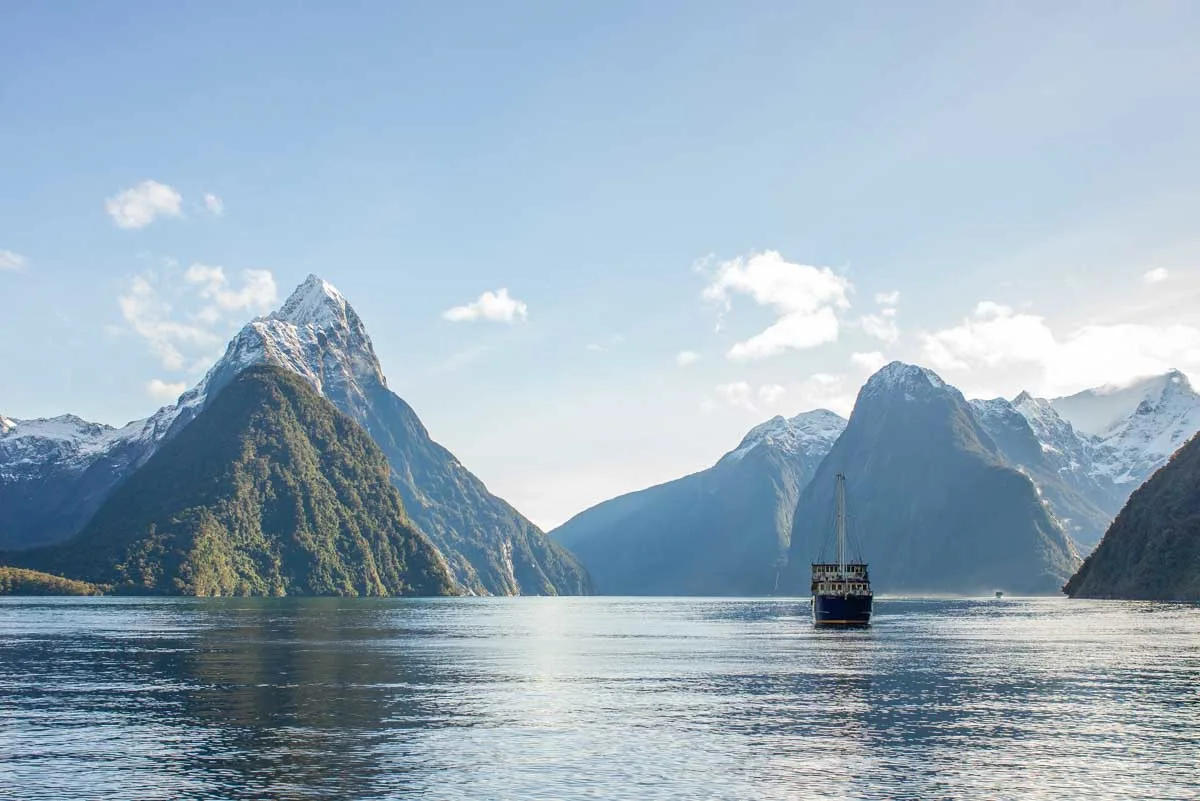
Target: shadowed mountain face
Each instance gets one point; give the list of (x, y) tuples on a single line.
[(1030, 436), (1152, 550), (722, 531), (933, 505), (269, 491)]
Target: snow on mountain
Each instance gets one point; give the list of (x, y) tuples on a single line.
[(55, 474), (1167, 414), (899, 374), (315, 334), (1096, 446), (806, 433), (1097, 411)]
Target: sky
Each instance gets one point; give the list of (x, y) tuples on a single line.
[(595, 243)]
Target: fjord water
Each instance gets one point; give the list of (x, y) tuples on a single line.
[(608, 698)]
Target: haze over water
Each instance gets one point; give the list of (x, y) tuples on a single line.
[(596, 698)]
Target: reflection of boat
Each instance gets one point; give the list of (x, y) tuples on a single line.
[(841, 591), (999, 594)]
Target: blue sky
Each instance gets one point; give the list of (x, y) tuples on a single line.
[(1007, 193)]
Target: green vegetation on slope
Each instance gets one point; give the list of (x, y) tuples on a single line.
[(269, 491), (18, 581), (1152, 549)]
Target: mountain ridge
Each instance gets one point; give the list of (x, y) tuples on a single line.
[(719, 531), (937, 506)]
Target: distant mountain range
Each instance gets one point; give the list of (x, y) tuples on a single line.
[(55, 474), (1096, 447), (725, 530), (722, 531), (947, 494)]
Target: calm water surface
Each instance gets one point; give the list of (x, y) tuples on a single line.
[(596, 698)]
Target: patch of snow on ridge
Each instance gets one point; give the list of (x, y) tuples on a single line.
[(899, 374), (1167, 416), (1096, 411), (804, 433)]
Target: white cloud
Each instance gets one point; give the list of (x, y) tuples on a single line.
[(165, 391), (827, 391), (214, 204), (1155, 276), (805, 299), (770, 393), (140, 205), (738, 394), (12, 261), (258, 293), (185, 322), (494, 306), (686, 357), (596, 347), (870, 362), (150, 317), (1001, 347), (882, 326)]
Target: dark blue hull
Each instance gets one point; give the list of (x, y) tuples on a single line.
[(841, 610)]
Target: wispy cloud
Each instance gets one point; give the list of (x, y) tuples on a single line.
[(185, 318), (257, 293), (882, 326), (997, 341), (771, 393), (12, 261), (805, 299), (1156, 276), (738, 394), (686, 358), (141, 205), (870, 362), (214, 205), (496, 307), (165, 390)]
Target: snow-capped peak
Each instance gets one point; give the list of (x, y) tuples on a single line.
[(899, 374), (315, 302), (6, 424), (1097, 411), (315, 334), (804, 433)]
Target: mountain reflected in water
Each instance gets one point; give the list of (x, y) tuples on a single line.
[(595, 698)]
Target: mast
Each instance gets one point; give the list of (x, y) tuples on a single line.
[(841, 524)]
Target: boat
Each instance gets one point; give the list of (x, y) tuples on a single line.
[(841, 590), (999, 594)]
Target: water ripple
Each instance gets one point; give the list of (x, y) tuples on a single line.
[(596, 698)]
